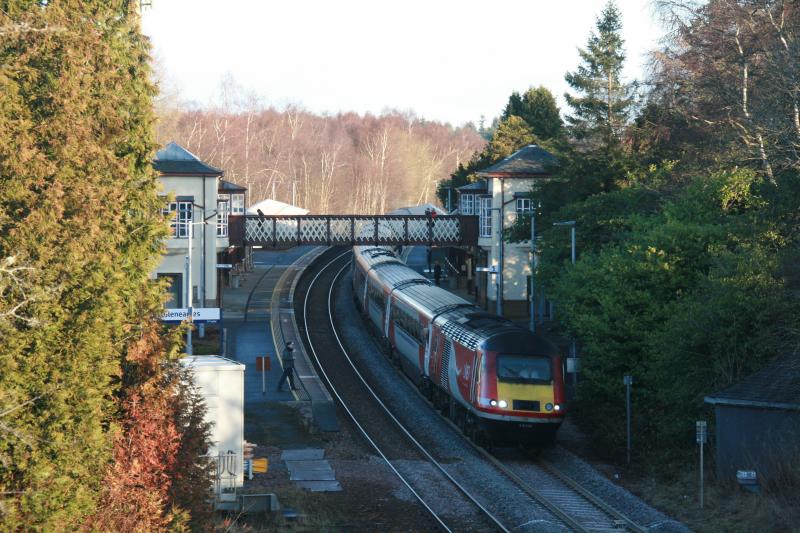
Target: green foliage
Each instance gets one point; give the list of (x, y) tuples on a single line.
[(537, 107), (191, 479), (512, 134), (684, 295)]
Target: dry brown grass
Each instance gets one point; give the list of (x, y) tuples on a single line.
[(727, 507)]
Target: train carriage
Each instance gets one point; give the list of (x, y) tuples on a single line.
[(498, 381)]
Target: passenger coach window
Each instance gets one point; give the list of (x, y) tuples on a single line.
[(408, 324), (521, 369)]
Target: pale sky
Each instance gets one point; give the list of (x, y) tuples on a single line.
[(444, 59)]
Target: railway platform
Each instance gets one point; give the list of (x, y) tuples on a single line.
[(247, 312)]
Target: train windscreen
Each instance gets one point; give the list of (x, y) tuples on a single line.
[(524, 369)]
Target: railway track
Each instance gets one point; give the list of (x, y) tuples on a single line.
[(386, 437), (570, 504)]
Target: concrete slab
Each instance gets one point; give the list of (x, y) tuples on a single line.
[(320, 486), (306, 454)]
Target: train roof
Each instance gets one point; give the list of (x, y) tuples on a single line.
[(376, 255), (461, 320), (398, 275)]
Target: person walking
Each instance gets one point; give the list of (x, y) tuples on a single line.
[(437, 273), (288, 366)]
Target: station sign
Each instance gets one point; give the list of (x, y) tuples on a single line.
[(491, 270), (224, 266), (199, 315)]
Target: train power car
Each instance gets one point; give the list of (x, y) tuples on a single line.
[(500, 383)]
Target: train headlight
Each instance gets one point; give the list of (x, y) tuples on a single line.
[(557, 407), (493, 403), (503, 404), (549, 406)]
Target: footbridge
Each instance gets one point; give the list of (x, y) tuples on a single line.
[(331, 230)]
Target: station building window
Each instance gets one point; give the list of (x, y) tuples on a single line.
[(485, 221)]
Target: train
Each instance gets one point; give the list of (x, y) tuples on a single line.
[(500, 383)]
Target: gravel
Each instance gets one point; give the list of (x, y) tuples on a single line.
[(492, 489), (611, 493)]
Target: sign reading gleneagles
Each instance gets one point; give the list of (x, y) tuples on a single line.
[(199, 314)]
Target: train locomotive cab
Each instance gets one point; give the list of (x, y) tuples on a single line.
[(520, 389)]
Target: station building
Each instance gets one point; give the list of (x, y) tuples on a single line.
[(504, 193), (205, 204)]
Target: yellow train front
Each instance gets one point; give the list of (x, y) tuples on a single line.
[(502, 384), (520, 389)]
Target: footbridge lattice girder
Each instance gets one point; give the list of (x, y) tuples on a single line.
[(281, 231)]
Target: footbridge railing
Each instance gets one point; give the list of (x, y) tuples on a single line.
[(286, 231)]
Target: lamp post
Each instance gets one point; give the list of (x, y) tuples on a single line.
[(573, 352), (500, 261), (189, 292), (533, 268), (702, 438), (628, 381)]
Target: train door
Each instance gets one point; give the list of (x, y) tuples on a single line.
[(427, 368), (387, 316), (375, 303)]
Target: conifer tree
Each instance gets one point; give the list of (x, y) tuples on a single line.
[(601, 108), (538, 108), (80, 233)]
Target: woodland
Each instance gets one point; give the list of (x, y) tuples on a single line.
[(685, 192), (344, 163)]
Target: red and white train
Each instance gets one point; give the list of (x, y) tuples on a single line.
[(502, 384)]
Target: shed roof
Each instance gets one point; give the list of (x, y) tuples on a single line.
[(526, 162), (776, 387), (174, 159)]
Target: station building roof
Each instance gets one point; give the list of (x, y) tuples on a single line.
[(230, 187), (474, 187), (528, 162), (176, 160), (776, 386)]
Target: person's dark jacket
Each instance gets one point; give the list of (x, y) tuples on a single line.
[(288, 358)]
